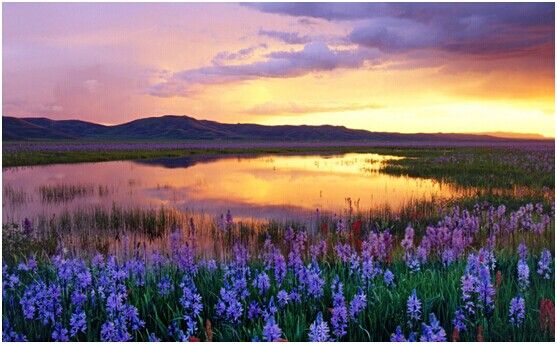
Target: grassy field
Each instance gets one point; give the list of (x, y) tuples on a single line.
[(483, 265)]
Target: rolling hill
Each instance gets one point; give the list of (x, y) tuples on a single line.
[(181, 128)]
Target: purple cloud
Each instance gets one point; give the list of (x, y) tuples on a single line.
[(524, 14), (328, 11), (395, 35), (314, 57), (286, 37), (468, 28), (241, 54), (474, 35)]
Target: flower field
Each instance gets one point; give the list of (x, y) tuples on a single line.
[(479, 274)]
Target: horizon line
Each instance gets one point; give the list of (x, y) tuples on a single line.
[(484, 133)]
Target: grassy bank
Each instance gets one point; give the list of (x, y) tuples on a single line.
[(73, 154)]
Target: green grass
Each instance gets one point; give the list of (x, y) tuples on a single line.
[(480, 167)]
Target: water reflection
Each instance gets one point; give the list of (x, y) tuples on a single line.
[(259, 187)]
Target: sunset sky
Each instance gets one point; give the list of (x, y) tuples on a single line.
[(381, 67)]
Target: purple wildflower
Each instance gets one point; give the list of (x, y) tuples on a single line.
[(60, 333), (97, 261), (130, 314), (319, 330), (312, 281), (414, 307), (486, 291), (136, 271), (175, 332), (459, 320), (262, 283), (295, 296), (84, 279), (318, 250), (408, 241), (279, 266), (228, 307), (487, 258), (412, 262), (9, 334), (448, 257), (31, 265), (78, 323), (378, 245), (241, 255), (283, 298), (253, 310), (469, 286), (389, 278), (344, 252), (477, 289), (271, 309), (544, 264), (165, 286), (370, 270), (191, 304), (523, 272), (517, 311), (339, 319), (11, 281), (358, 304), (341, 226), (43, 299), (210, 264), (433, 332), (271, 330), (398, 336), (354, 264)]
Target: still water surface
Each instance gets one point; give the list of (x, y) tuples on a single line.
[(259, 187)]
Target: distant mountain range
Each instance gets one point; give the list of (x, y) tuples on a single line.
[(169, 128)]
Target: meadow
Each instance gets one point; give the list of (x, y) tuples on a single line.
[(348, 282), (478, 268)]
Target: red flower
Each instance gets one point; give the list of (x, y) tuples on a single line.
[(209, 330), (480, 334), (356, 227), (324, 228), (456, 335), (498, 279), (547, 316)]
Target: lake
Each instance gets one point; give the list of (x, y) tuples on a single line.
[(277, 187)]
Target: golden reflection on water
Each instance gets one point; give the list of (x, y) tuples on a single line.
[(271, 186)]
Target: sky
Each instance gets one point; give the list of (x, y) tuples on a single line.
[(398, 67)]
